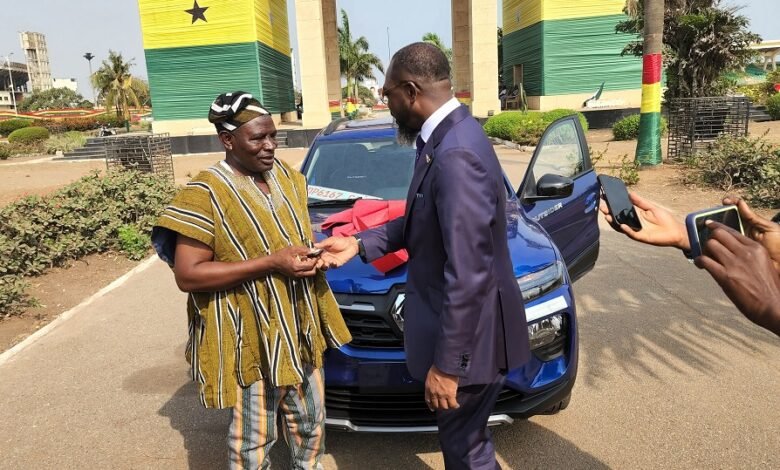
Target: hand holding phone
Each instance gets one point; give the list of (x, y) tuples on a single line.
[(619, 204), (699, 233)]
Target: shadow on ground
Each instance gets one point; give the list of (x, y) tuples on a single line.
[(204, 432)]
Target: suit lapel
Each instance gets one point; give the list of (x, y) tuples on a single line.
[(427, 156)]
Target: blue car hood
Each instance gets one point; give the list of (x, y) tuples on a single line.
[(529, 245)]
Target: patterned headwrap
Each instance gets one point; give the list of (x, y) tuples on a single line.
[(230, 110)]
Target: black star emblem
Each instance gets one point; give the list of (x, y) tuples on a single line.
[(198, 13)]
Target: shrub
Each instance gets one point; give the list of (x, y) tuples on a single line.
[(28, 135), (82, 218), (555, 114), (10, 125), (5, 151), (773, 106), (111, 120), (748, 164), (27, 148), (65, 142), (134, 243), (628, 127), (757, 94), (517, 126)]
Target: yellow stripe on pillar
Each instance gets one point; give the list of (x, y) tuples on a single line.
[(651, 98)]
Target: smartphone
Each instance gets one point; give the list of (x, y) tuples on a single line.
[(618, 202), (699, 233), (314, 253)]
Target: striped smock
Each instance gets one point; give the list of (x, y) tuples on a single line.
[(266, 328)]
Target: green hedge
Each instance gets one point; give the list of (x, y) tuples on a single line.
[(28, 135), (5, 151), (628, 127), (526, 128), (85, 217), (773, 106), (10, 125)]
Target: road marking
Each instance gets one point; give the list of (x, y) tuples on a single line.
[(7, 355)]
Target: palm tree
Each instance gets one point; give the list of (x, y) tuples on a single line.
[(648, 149), (115, 85), (355, 60), (433, 38)]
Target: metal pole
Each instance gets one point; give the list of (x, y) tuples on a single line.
[(11, 76), (388, 47)]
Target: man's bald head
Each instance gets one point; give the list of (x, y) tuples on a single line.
[(421, 62)]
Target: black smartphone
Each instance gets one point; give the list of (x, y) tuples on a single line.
[(618, 202), (314, 253)]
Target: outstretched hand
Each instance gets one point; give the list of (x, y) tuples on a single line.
[(292, 262), (744, 270), (659, 226), (337, 251), (762, 230)]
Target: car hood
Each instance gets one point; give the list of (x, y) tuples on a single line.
[(529, 245)]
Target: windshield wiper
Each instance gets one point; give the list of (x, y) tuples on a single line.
[(335, 202)]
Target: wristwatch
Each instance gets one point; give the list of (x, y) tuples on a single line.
[(361, 249)]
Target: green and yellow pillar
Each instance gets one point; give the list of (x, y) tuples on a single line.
[(197, 49), (648, 149)]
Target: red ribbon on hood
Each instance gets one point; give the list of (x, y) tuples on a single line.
[(366, 214)]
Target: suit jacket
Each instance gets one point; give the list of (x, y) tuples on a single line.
[(464, 310)]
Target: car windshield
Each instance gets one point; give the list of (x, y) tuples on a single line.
[(368, 169)]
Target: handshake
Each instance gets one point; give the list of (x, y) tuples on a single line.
[(298, 261)]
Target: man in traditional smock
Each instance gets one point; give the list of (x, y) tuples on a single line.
[(261, 315)]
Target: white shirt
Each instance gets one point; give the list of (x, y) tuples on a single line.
[(437, 117)]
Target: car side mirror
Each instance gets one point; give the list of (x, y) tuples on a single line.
[(552, 186)]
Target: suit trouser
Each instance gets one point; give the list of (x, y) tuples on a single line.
[(465, 439), (253, 427)]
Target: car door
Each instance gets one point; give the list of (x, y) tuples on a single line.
[(572, 220)]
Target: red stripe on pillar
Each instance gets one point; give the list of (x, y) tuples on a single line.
[(651, 69)]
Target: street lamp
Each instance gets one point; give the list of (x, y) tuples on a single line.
[(89, 58), (11, 76)]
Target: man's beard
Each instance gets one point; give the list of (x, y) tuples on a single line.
[(406, 135)]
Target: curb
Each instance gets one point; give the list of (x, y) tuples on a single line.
[(16, 349), (512, 145)]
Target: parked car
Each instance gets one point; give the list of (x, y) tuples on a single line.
[(553, 239)]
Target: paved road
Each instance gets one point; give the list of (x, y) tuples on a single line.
[(670, 377)]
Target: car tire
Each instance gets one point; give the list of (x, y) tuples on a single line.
[(560, 406)]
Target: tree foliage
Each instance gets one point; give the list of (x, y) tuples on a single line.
[(433, 38), (355, 60), (115, 85), (53, 98), (702, 41)]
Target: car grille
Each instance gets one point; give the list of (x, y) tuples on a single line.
[(386, 409), (369, 321)]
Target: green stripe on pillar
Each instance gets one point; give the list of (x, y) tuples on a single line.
[(648, 150), (185, 80), (276, 81)]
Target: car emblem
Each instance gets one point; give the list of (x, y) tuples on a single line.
[(397, 311)]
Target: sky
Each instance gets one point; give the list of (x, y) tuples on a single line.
[(75, 27)]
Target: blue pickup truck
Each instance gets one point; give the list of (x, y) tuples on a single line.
[(553, 240)]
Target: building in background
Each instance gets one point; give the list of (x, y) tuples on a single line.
[(69, 83), (194, 54), (17, 71), (563, 50), (37, 55)]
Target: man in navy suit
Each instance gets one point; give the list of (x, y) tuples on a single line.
[(465, 324)]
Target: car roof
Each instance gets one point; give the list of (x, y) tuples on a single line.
[(344, 129)]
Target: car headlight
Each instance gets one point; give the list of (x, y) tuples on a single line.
[(540, 282)]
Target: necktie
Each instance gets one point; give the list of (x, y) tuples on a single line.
[(419, 144)]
